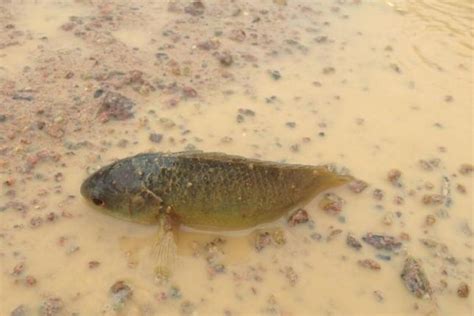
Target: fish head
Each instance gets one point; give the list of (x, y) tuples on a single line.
[(118, 190)]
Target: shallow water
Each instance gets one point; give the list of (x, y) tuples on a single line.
[(370, 85)]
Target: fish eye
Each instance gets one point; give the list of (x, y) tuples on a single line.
[(98, 202)]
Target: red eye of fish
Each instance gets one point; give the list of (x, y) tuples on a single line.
[(98, 202)]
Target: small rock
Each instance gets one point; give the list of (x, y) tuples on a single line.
[(226, 140), (378, 296), (316, 236), (398, 200), (394, 176), (51, 306), (30, 280), (195, 8), (155, 137), (51, 217), (93, 264), (333, 234), (20, 310), (187, 308), (246, 112), (331, 203), (298, 217), (295, 148), (209, 45), (378, 194), (237, 35), (382, 241), (461, 188), (395, 68), (405, 236), (357, 186), (352, 241), (36, 222), (267, 238), (433, 199), (430, 164), (240, 118), (120, 293), (115, 106), (226, 59), (98, 93), (370, 264), (3, 118), (189, 92), (430, 220), (383, 257), (291, 124), (466, 169), (463, 290), (291, 275), (166, 122), (18, 269), (275, 74), (415, 279), (388, 219), (329, 70), (448, 98)]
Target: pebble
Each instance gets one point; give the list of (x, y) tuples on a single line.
[(463, 290), (120, 294), (275, 74), (388, 219), (36, 222), (394, 176), (433, 199), (333, 234), (93, 264), (357, 186), (195, 8), (20, 310), (415, 279), (382, 241), (291, 275), (331, 203), (226, 59), (466, 169), (353, 242), (299, 216), (155, 138), (378, 296), (18, 269), (51, 306), (187, 308), (370, 264), (430, 220), (378, 194)]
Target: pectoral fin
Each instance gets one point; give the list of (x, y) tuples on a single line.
[(165, 249)]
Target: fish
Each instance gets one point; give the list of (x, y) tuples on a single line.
[(204, 190)]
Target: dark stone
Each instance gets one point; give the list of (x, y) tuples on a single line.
[(116, 106), (98, 93)]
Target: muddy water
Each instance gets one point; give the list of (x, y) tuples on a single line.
[(370, 85)]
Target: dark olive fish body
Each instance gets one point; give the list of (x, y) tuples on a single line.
[(205, 190)]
